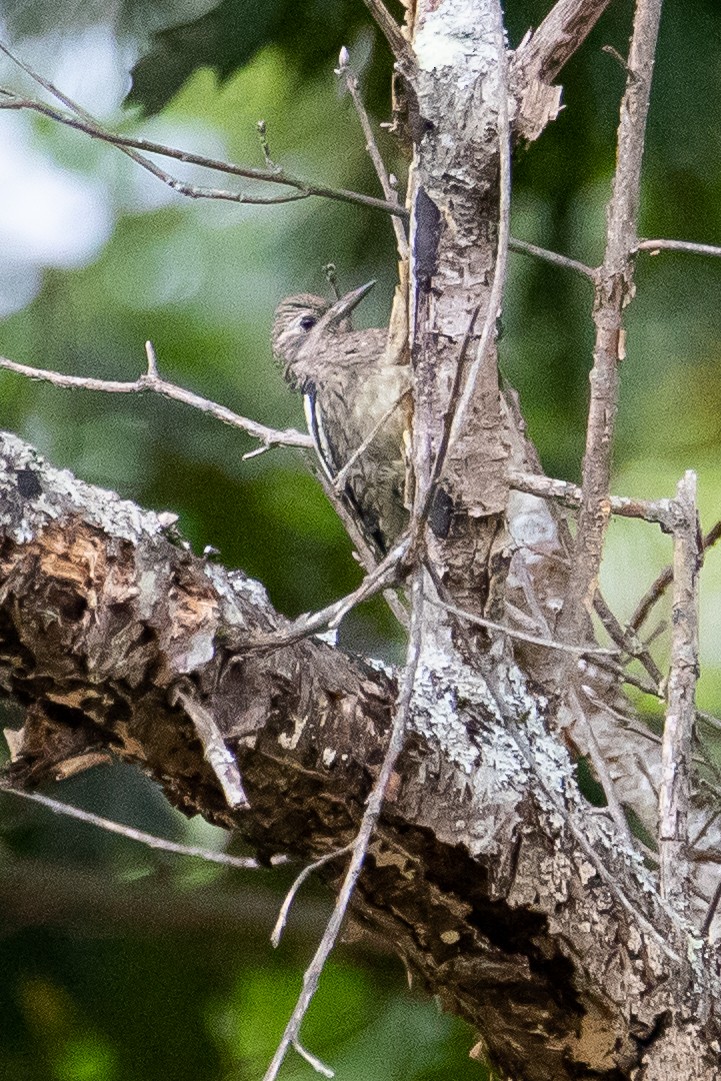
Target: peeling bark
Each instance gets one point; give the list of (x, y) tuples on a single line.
[(489, 875), (530, 914)]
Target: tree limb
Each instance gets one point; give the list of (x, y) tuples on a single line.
[(101, 618)]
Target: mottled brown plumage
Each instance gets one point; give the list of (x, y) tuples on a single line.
[(349, 388)]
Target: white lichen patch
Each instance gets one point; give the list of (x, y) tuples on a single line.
[(51, 493), (289, 741)]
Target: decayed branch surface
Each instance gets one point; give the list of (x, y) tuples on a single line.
[(103, 620)]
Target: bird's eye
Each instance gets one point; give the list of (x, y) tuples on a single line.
[(308, 322)]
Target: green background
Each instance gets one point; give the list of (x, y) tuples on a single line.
[(116, 963)]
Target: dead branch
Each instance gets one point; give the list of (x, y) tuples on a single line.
[(277, 175), (96, 659), (675, 793), (560, 35), (540, 57), (613, 292), (657, 589), (151, 381)]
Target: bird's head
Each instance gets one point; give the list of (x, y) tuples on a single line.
[(303, 322)]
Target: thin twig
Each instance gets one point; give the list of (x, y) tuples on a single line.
[(421, 509), (626, 639), (339, 478), (303, 189), (525, 248), (514, 244), (614, 290), (291, 894), (365, 832), (706, 925), (522, 636), (366, 556), (650, 510), (312, 1060), (151, 382), (350, 80), (374, 582), (675, 788), (701, 833), (708, 718), (663, 581), (687, 246), (134, 155), (633, 680), (600, 766), (245, 863)]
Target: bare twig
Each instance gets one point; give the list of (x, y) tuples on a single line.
[(687, 246), (134, 155), (151, 382), (374, 582), (633, 680), (339, 479), (365, 832), (291, 894), (522, 636), (663, 581), (626, 639), (659, 511), (525, 248), (366, 556), (312, 1060), (600, 765), (675, 789), (350, 80), (150, 840), (302, 189), (273, 173), (614, 290), (706, 926), (392, 33), (708, 718)]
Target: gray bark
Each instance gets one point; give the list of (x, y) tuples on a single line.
[(532, 915), (503, 893)]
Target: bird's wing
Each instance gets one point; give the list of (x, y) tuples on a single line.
[(314, 420)]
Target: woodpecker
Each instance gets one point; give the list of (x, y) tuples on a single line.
[(357, 406)]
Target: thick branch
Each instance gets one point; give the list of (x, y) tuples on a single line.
[(102, 620)]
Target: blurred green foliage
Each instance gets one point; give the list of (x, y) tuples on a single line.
[(179, 993)]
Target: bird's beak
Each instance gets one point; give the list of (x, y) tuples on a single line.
[(343, 307)]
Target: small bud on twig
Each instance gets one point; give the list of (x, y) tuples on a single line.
[(343, 59)]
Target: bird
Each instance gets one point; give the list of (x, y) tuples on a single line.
[(357, 404)]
